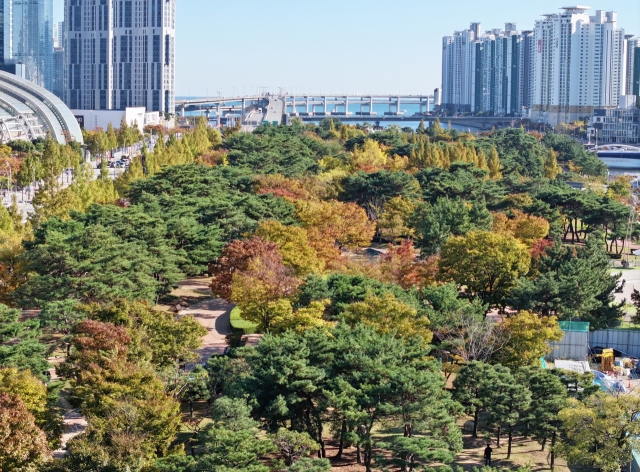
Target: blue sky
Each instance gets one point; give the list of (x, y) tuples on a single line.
[(336, 46)]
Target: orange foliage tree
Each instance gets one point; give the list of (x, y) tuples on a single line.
[(401, 265), (236, 256), (23, 446), (332, 223), (260, 288)]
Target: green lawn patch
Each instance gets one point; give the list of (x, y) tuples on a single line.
[(237, 322)]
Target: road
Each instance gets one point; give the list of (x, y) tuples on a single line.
[(275, 110)]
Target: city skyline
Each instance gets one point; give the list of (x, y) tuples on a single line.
[(322, 47)]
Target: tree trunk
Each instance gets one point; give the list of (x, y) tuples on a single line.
[(358, 454), (367, 457), (475, 422), (68, 349), (498, 436), (343, 431), (509, 446), (553, 452), (544, 443), (191, 409)]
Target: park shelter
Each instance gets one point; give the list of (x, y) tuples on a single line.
[(574, 344)]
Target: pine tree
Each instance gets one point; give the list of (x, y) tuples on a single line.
[(421, 128)]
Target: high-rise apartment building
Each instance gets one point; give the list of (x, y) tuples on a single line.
[(458, 69), (119, 54), (27, 37), (632, 66), (568, 65), (578, 64), (487, 72)]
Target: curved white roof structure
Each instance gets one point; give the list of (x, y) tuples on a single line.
[(28, 111)]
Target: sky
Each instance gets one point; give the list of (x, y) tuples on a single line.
[(336, 46)]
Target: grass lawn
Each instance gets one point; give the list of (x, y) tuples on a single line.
[(237, 322)]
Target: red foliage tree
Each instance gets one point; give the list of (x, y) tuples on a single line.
[(237, 256), (23, 446), (401, 265)]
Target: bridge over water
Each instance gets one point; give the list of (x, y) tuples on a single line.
[(253, 110)]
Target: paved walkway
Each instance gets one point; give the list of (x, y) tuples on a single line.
[(214, 314)]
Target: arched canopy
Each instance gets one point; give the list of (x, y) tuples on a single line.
[(20, 97)]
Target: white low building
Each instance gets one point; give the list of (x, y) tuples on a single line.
[(134, 116)]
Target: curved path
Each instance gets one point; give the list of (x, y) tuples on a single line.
[(214, 314)]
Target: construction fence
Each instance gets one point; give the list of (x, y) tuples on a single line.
[(625, 340)]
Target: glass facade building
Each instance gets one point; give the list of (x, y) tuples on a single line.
[(27, 38)]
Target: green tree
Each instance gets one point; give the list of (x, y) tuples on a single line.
[(435, 224), (60, 317), (508, 403), (230, 442), (572, 282), (472, 385), (377, 379), (19, 344), (288, 376), (294, 445), (107, 253), (485, 264), (548, 398), (196, 388), (601, 431)]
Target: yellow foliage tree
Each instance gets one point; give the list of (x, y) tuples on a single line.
[(493, 164), (393, 224), (386, 314), (332, 222), (370, 157), (293, 244), (30, 390), (528, 337), (286, 318), (527, 228), (258, 290), (551, 167), (134, 172), (486, 265)]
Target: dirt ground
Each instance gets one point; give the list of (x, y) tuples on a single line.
[(524, 452)]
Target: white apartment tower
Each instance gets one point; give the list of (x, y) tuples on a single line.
[(458, 69), (578, 64), (487, 72), (119, 54)]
